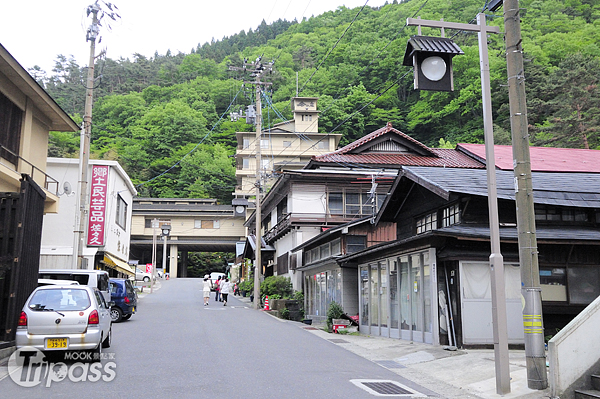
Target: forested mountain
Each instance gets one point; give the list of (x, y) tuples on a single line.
[(165, 118)]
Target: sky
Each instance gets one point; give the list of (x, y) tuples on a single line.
[(36, 31)]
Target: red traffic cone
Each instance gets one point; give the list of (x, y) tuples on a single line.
[(267, 303)]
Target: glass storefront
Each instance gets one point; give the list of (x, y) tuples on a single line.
[(397, 298), (321, 289)]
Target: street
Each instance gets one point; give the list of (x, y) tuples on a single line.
[(176, 347)]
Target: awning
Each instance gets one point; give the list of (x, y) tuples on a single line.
[(118, 264)]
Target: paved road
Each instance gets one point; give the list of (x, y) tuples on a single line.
[(176, 347)]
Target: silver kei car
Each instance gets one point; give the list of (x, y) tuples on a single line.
[(65, 318)]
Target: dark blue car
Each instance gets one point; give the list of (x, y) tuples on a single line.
[(125, 298)]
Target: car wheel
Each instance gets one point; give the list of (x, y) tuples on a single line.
[(116, 314), (146, 278), (97, 353), (108, 341), (126, 317)]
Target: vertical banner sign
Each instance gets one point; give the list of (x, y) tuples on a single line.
[(98, 196)]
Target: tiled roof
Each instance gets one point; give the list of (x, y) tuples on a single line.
[(377, 133), (550, 188), (447, 158), (543, 159)]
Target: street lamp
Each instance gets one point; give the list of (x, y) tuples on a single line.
[(165, 230), (431, 58)]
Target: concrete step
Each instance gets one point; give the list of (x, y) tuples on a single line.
[(596, 382), (587, 394)]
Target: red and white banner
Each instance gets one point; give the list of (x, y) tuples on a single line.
[(98, 196)]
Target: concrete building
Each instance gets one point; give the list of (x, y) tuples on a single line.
[(109, 224), (287, 145)]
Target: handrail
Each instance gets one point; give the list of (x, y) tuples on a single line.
[(48, 180)]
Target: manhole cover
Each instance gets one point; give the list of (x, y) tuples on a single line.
[(387, 388), (338, 341), (390, 364)]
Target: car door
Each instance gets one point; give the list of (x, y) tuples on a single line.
[(103, 313)]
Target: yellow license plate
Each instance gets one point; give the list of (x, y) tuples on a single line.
[(56, 343), (133, 309)]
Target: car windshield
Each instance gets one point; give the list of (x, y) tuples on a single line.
[(60, 299)]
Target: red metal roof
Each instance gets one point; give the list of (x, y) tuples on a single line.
[(543, 159)]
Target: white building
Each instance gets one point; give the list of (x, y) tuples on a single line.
[(108, 222)]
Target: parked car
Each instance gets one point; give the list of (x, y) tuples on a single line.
[(142, 275), (49, 281), (214, 277), (125, 298), (93, 278), (65, 318)]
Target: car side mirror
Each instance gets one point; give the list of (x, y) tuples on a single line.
[(111, 304)]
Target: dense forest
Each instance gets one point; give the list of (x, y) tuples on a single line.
[(166, 118)]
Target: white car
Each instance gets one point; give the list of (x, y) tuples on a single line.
[(65, 318), (142, 275)]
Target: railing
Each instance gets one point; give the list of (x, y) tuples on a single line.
[(23, 165), (572, 352)]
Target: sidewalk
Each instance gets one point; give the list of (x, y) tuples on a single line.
[(460, 374)]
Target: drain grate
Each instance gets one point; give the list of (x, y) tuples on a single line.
[(387, 388), (390, 364), (338, 341)]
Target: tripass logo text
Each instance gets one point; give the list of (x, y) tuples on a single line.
[(28, 367)]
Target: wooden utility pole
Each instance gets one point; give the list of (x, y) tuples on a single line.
[(528, 253)]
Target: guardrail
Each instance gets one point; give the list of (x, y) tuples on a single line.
[(20, 168)]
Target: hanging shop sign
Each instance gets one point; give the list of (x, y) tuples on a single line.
[(97, 214)]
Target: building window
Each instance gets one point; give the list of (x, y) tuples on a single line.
[(336, 203), (352, 204), (451, 215), (206, 224), (264, 144), (287, 143), (121, 217), (11, 118), (553, 214), (355, 243), (265, 164), (427, 223), (246, 143), (246, 163), (322, 145)]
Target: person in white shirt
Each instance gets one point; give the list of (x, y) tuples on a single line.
[(206, 289), (224, 288)]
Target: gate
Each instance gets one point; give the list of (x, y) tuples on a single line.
[(21, 216)]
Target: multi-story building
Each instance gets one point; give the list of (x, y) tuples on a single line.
[(287, 145), (109, 220), (27, 192)]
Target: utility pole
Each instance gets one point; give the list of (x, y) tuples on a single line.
[(259, 70), (528, 253), (84, 152), (496, 260)]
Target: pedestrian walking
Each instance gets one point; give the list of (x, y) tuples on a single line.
[(206, 289), (225, 285), (217, 284)]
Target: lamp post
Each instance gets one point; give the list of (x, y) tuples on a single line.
[(496, 260), (166, 230)]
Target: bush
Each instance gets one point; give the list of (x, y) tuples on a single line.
[(276, 285), (247, 286), (285, 313), (334, 311)]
